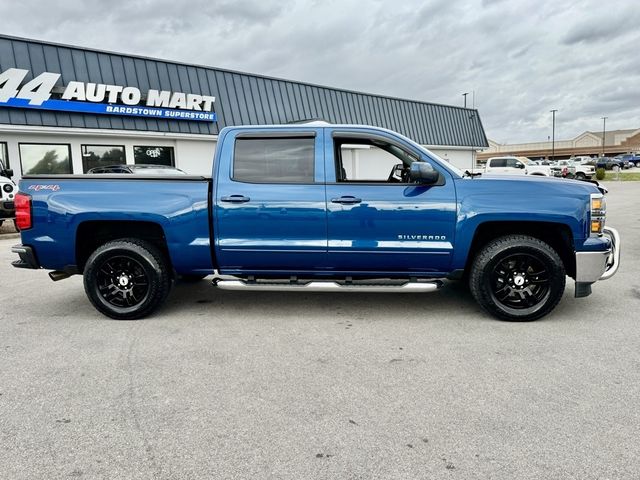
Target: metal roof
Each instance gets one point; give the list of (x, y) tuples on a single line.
[(241, 98)]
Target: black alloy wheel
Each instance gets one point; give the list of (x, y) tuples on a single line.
[(122, 282), (517, 278), (520, 281), (127, 279)]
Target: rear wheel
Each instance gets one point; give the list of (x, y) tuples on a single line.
[(517, 278), (127, 279)]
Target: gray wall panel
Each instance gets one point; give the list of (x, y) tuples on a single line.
[(240, 98), (6, 61), (20, 60)]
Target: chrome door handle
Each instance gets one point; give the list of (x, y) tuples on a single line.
[(235, 199), (346, 200)]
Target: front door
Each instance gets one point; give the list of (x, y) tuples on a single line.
[(270, 203), (378, 220)]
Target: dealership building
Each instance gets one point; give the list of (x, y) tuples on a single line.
[(66, 109)]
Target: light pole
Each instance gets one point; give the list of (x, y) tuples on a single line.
[(465, 98), (604, 131), (553, 134)]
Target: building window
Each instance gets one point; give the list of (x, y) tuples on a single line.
[(149, 155), (274, 160), (102, 156), (4, 156), (43, 159)]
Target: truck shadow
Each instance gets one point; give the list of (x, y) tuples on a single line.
[(453, 299)]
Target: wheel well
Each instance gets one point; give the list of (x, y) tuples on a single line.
[(557, 235), (92, 234)]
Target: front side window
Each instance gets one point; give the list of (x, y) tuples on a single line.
[(369, 160), (153, 155), (101, 156), (274, 160), (514, 163), (42, 159)]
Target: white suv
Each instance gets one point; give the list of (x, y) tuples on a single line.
[(515, 166), (8, 190)]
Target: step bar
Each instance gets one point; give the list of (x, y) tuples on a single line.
[(329, 286)]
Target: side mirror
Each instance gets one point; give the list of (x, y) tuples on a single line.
[(423, 172), (7, 172), (520, 165)]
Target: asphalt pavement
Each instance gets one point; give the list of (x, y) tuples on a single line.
[(243, 385)]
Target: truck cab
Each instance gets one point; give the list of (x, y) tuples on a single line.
[(338, 200)]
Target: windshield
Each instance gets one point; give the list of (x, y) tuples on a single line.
[(443, 162), (452, 168)]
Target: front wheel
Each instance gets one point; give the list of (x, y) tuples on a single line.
[(517, 278), (127, 279), (580, 176)]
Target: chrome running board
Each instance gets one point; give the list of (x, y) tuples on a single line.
[(330, 286)]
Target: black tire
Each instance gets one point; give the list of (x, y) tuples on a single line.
[(191, 278), (517, 278), (127, 279), (580, 176)]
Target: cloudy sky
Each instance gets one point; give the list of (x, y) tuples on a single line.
[(522, 58)]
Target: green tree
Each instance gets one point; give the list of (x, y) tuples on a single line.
[(49, 163)]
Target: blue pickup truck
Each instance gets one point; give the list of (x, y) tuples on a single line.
[(319, 207)]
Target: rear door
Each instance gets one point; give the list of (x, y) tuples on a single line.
[(270, 202), (498, 165)]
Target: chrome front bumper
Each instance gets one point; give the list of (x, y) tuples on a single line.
[(594, 266), (613, 260)]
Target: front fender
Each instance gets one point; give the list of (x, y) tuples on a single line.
[(475, 210)]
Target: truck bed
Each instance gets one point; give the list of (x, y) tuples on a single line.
[(64, 207)]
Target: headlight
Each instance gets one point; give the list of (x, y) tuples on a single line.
[(7, 187), (598, 213)]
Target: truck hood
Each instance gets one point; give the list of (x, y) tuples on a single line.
[(535, 183)]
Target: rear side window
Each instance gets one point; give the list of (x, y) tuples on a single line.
[(274, 160), (499, 162)]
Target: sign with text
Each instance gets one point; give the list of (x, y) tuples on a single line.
[(103, 99)]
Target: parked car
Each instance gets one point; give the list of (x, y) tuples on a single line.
[(7, 192), (633, 159), (584, 160), (139, 169), (284, 211), (576, 170), (626, 163), (515, 166), (564, 169), (608, 163)]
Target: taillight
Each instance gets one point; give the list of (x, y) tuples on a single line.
[(23, 211)]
